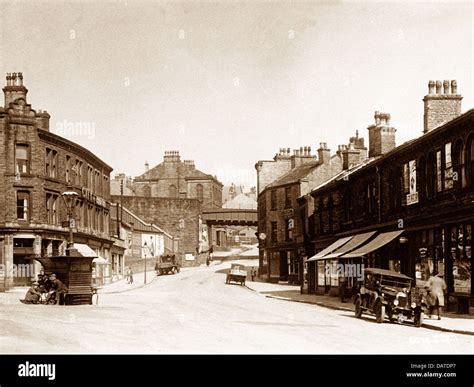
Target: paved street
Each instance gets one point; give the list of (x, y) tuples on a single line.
[(195, 312)]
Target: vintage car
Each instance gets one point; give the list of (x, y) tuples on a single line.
[(389, 293), (167, 264), (236, 274)]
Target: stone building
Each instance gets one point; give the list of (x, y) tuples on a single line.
[(36, 167), (141, 241), (173, 196), (180, 218), (407, 208), (279, 223), (178, 179)]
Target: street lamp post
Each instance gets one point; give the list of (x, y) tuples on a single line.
[(145, 246), (69, 198)]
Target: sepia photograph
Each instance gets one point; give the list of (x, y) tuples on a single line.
[(241, 177)]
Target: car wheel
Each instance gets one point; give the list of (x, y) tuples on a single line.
[(418, 320), (358, 308), (379, 312)]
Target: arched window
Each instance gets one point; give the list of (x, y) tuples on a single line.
[(199, 192), (173, 192), (147, 191), (459, 175)]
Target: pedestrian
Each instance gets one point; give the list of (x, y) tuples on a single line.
[(253, 273), (342, 287), (129, 276), (436, 288), (33, 295), (59, 288)]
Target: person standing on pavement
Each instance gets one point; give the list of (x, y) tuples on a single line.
[(129, 276), (342, 287), (437, 288)]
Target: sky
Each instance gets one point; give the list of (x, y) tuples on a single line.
[(228, 83)]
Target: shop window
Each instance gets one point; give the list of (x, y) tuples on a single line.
[(22, 205), (461, 244), (22, 158), (292, 263)]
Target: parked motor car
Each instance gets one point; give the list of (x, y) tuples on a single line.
[(389, 293), (236, 273), (167, 264)]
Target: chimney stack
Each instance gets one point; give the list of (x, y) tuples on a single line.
[(147, 167), (171, 157), (381, 135), (324, 154), (441, 107), (14, 88)]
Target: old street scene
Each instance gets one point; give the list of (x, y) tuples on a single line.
[(202, 185)]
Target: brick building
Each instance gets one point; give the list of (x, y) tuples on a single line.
[(278, 220), (407, 208), (36, 166)]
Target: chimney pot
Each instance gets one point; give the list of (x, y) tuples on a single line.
[(446, 86), (431, 87), (454, 87), (377, 117), (438, 87)]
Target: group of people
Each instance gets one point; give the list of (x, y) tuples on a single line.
[(44, 289)]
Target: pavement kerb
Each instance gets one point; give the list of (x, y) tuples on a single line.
[(127, 290), (324, 305)]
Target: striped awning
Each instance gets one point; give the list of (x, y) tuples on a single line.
[(330, 249), (354, 243), (375, 244)]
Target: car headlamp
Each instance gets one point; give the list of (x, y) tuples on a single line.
[(413, 304), (395, 302)]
